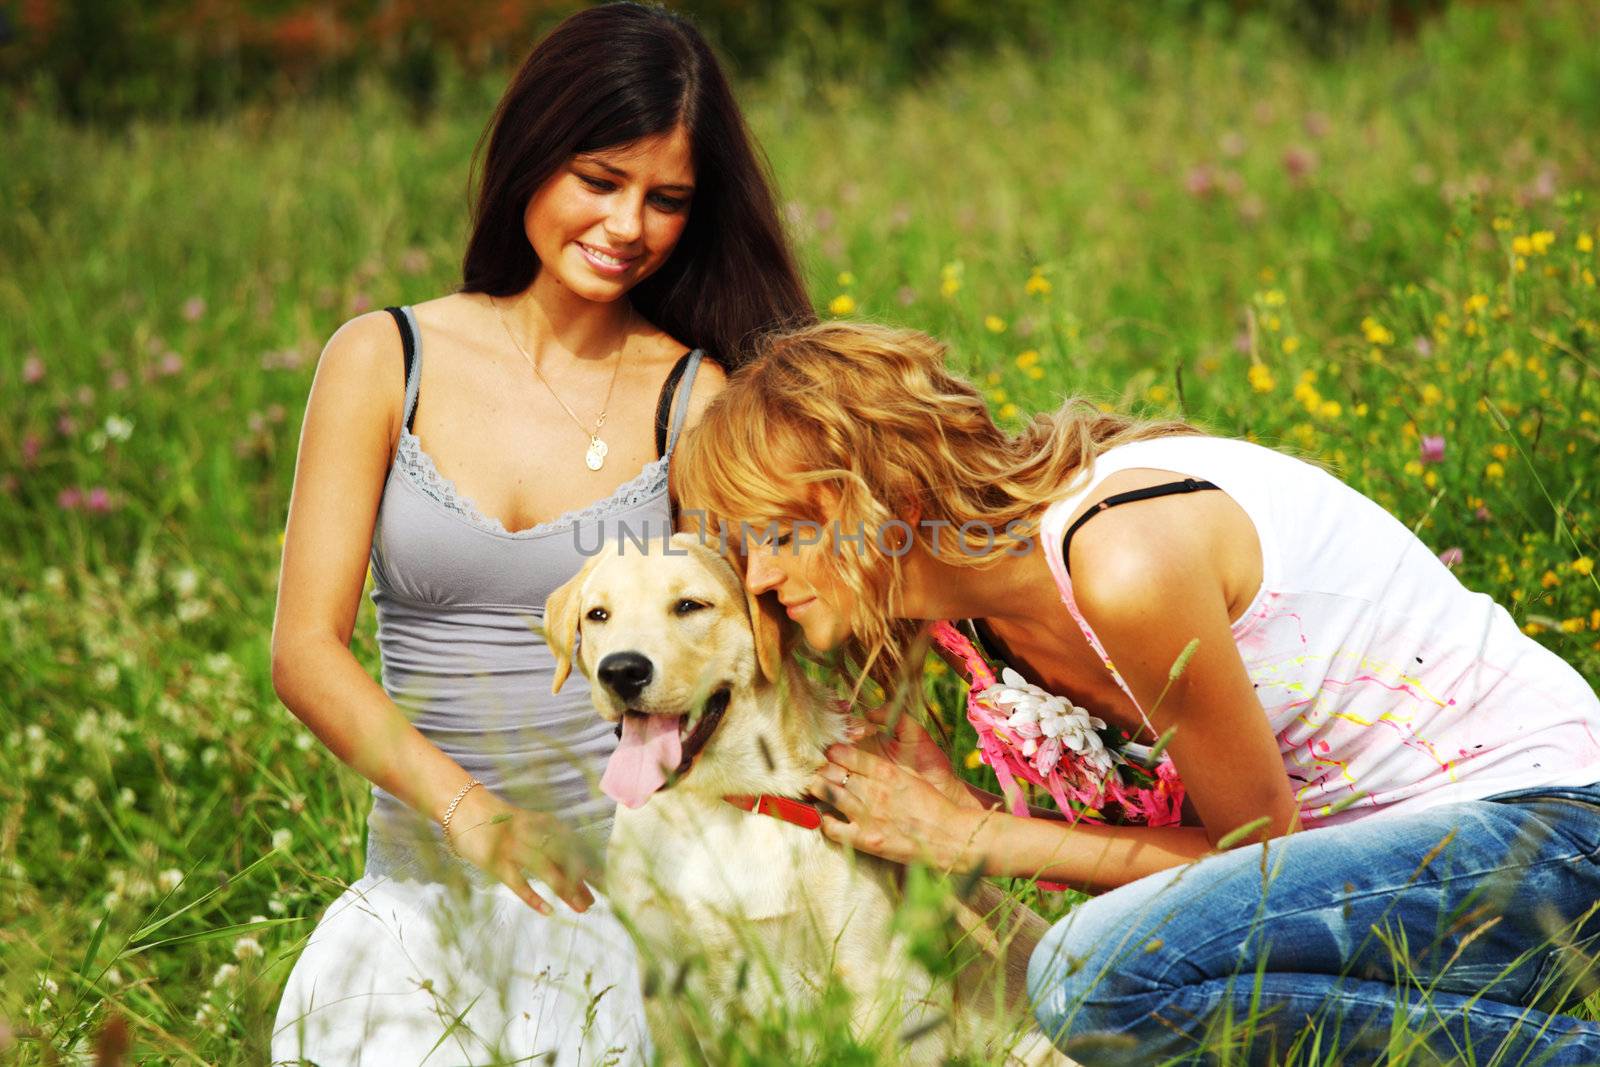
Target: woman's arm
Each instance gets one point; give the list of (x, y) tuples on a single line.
[(1148, 585), (346, 444), (709, 380)]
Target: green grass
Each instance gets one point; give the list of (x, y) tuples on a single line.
[(1336, 258)]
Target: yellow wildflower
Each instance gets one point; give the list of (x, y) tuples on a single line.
[(1376, 333), (1549, 579), (1585, 243), (1038, 284), (994, 324), (1541, 240), (1261, 379), (1330, 409), (974, 760), (1494, 470), (1035, 373), (1521, 246), (1273, 298), (1431, 394), (1027, 359), (950, 279), (846, 279), (1158, 393), (1291, 345), (1583, 565), (842, 304), (1572, 626), (1475, 303), (1500, 450), (1008, 411), (1532, 628)]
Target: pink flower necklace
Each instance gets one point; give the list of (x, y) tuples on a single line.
[(1046, 740)]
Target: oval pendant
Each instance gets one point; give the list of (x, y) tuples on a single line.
[(595, 458)]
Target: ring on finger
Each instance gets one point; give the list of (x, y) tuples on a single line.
[(844, 783)]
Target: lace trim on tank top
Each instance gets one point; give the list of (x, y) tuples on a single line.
[(420, 468)]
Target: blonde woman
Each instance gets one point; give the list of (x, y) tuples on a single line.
[(1441, 766)]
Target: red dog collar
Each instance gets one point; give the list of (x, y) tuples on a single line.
[(791, 811)]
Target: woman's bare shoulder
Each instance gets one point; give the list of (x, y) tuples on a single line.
[(361, 372)]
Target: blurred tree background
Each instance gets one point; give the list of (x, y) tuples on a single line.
[(107, 60)]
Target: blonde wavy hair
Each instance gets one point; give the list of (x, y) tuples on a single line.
[(871, 414)]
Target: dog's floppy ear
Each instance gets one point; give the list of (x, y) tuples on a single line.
[(767, 624), (561, 623)]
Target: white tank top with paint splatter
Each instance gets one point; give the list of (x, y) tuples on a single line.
[(1389, 684)]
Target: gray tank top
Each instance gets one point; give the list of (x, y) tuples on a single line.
[(458, 598)]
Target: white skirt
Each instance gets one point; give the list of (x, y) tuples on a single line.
[(401, 972)]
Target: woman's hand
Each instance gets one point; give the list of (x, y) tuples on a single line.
[(896, 813), (510, 843), (910, 746)]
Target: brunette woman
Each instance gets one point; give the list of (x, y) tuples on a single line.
[(624, 241)]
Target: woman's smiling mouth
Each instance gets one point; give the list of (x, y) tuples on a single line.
[(605, 262)]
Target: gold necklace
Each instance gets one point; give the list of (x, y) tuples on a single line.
[(595, 457)]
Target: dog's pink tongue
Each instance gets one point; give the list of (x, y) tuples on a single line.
[(650, 747)]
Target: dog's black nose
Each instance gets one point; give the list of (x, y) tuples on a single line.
[(625, 673)]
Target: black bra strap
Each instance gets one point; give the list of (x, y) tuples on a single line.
[(1188, 485), (664, 404), (409, 343)]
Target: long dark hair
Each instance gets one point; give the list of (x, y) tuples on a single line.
[(608, 76)]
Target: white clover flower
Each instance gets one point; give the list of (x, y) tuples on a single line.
[(118, 428), (282, 839), (185, 582), (169, 879), (225, 974), (247, 948)]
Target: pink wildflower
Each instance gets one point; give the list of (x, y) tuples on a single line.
[(1452, 557), (1299, 162), (69, 499), (98, 500), (194, 309), (1432, 448), (32, 369), (171, 364)]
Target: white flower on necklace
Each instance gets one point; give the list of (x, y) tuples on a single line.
[(1046, 724)]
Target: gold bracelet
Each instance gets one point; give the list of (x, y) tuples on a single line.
[(449, 813)]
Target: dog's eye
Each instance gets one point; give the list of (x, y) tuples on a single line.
[(685, 606), (598, 615)]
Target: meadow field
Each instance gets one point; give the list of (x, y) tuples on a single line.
[(1384, 259)]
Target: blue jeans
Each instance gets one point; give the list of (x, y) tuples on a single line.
[(1459, 932)]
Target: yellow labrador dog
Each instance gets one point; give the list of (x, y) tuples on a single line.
[(737, 912)]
